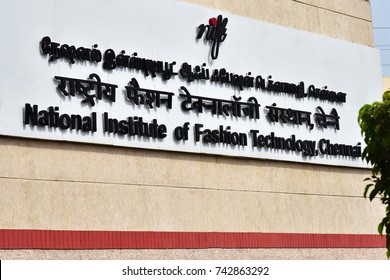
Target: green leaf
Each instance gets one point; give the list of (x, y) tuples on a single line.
[(378, 128), (366, 190), (373, 193), (380, 228), (388, 254)]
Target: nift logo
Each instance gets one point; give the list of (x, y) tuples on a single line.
[(215, 32)]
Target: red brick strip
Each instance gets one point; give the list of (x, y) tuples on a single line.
[(70, 239)]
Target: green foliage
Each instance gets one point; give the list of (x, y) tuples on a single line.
[(374, 121)]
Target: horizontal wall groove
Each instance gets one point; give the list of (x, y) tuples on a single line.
[(332, 11), (182, 187)]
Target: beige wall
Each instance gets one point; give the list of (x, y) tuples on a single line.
[(60, 185), (51, 185), (349, 20), (386, 83)]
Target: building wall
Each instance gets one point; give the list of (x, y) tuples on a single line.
[(386, 83), (67, 186), (348, 20), (47, 185)]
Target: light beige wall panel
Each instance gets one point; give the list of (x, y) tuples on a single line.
[(386, 83), (60, 161), (354, 8), (357, 29), (38, 204)]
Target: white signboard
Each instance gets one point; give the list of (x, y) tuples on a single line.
[(173, 76)]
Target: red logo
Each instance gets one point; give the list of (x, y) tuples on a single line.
[(215, 33)]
